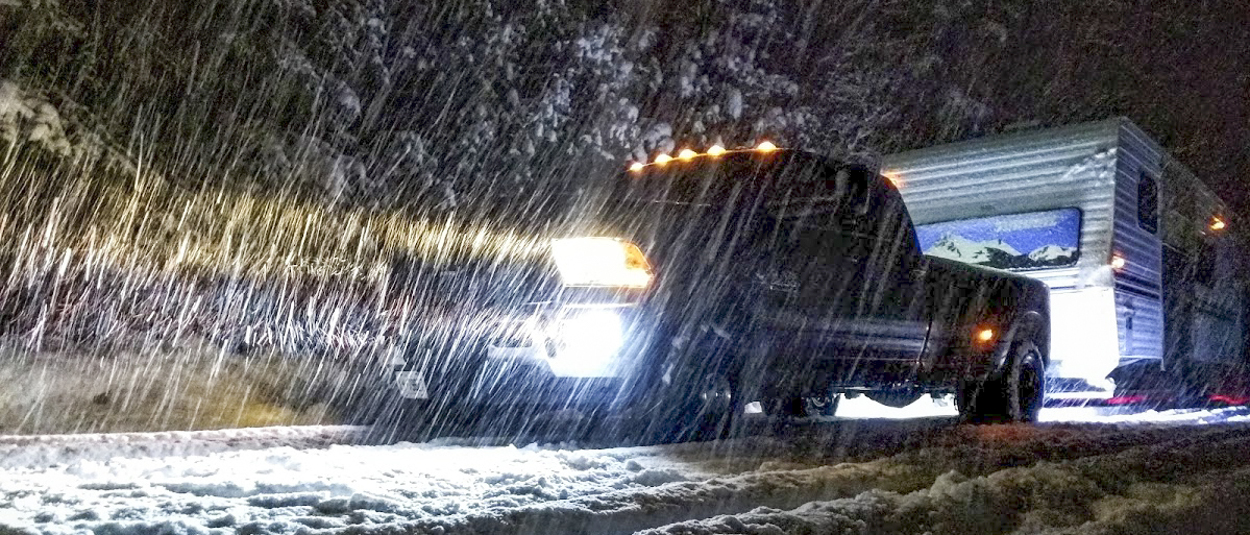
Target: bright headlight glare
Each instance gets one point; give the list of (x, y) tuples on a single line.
[(601, 262), (596, 332)]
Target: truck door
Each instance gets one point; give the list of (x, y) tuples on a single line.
[(844, 278), (892, 288)]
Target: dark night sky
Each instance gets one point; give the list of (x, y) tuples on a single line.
[(1180, 69)]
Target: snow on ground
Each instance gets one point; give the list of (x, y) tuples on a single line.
[(1155, 472), (925, 407)]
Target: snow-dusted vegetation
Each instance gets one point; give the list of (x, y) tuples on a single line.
[(385, 103)]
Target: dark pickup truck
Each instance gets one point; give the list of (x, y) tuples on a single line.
[(701, 283)]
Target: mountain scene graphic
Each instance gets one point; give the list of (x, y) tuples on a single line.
[(1000, 254)]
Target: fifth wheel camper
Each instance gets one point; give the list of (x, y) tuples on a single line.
[(1143, 261)]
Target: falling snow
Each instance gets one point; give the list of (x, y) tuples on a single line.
[(231, 215)]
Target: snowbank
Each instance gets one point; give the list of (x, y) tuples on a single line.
[(856, 476)]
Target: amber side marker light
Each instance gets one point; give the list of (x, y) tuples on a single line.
[(1218, 224), (1118, 262), (985, 335)]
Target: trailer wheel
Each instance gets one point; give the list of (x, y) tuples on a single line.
[(1014, 394), (803, 406), (822, 405)]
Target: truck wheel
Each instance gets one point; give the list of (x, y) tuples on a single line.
[(707, 412), (822, 405), (1013, 395)]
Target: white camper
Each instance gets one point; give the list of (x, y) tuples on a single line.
[(1135, 249)]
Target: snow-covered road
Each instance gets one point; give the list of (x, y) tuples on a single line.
[(1157, 472)]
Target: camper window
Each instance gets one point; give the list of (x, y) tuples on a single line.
[(1027, 241), (1148, 204)]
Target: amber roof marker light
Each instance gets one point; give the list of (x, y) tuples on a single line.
[(689, 154)]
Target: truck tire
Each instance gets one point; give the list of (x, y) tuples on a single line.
[(708, 412), (694, 395), (1014, 394), (822, 405)]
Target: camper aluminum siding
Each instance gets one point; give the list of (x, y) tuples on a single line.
[(1204, 273), (1138, 237), (1100, 317)]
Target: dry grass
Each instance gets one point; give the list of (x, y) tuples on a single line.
[(182, 389)]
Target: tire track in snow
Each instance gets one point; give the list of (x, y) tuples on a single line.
[(627, 511), (1020, 459), (1177, 481)]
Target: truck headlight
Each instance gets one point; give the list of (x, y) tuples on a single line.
[(591, 334), (586, 343), (601, 262)]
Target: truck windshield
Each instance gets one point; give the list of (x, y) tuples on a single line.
[(760, 194), (1025, 241)]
